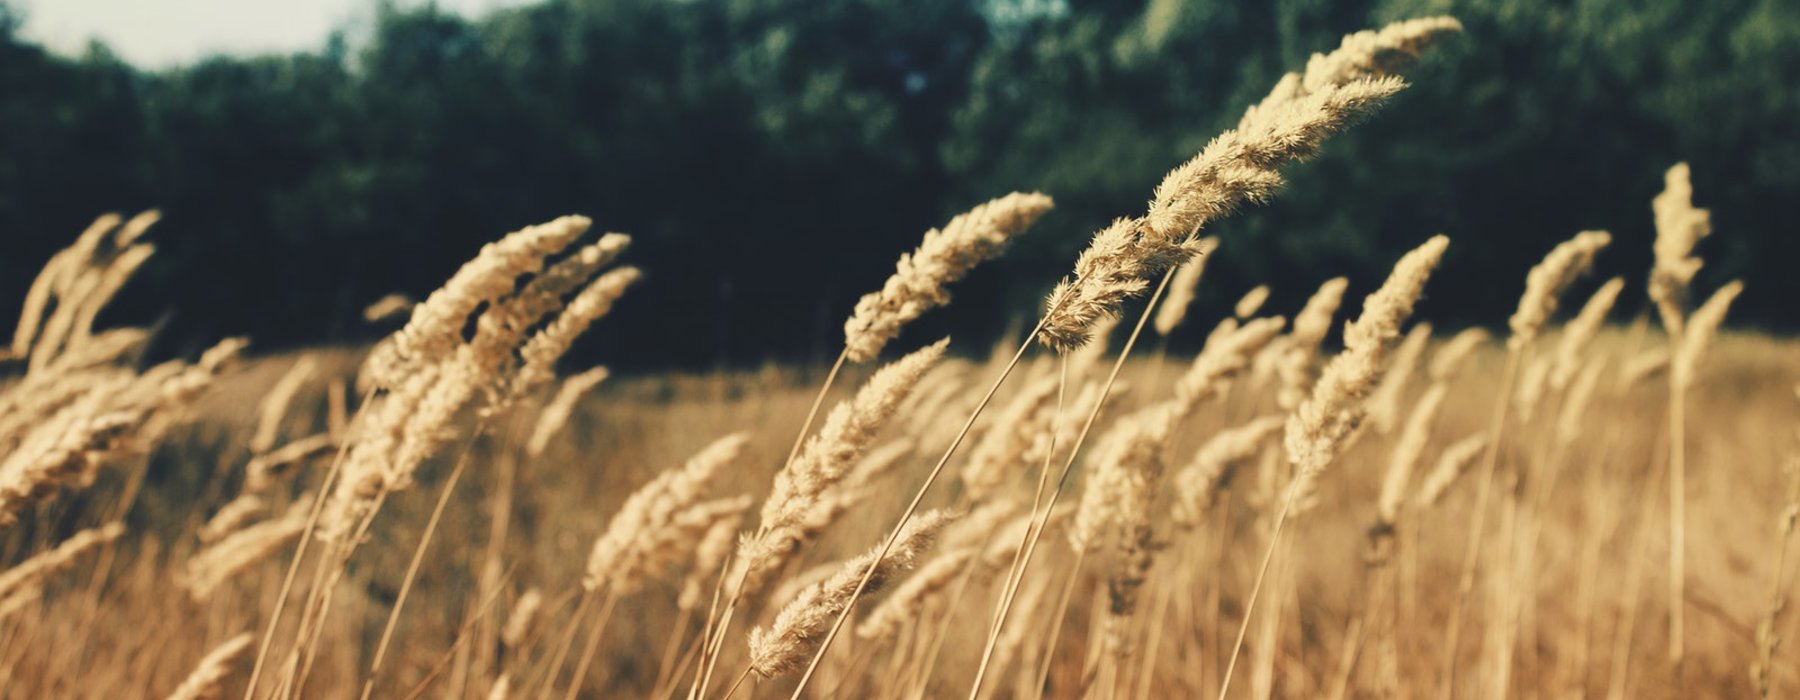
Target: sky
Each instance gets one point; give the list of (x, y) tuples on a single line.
[(163, 33)]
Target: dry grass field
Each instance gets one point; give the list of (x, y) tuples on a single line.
[(1332, 501)]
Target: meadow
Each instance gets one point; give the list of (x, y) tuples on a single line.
[(1330, 501)]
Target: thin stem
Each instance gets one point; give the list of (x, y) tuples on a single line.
[(818, 401), (1762, 671), (713, 632), (737, 684), (312, 523), (562, 647), (593, 645), (1262, 574), (1014, 571), (339, 564), (1619, 676), (1483, 493), (667, 664), (935, 639), (462, 637), (1062, 481), (667, 688), (418, 558), (912, 508), (1165, 594), (1677, 519), (1042, 672)]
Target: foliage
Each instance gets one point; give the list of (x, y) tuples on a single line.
[(776, 148)]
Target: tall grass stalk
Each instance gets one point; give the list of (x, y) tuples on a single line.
[(913, 507), (418, 559), (1484, 478), (1032, 535), (312, 523)]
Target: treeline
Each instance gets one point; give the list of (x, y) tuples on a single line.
[(773, 157)]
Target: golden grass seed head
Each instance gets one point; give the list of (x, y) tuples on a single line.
[(1579, 332), (1182, 287), (1317, 429), (1547, 281), (207, 680), (1384, 404), (1210, 471), (1679, 227), (1701, 328), (943, 257), (1407, 451), (785, 645), (212, 567), (1450, 466), (1454, 353), (556, 413), (31, 573), (1251, 302), (1310, 328)]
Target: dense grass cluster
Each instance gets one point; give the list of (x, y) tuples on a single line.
[(1307, 507)]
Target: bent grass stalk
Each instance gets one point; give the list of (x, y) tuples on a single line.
[(418, 558), (1490, 455), (593, 645), (796, 498), (913, 507), (1032, 535), (312, 523)]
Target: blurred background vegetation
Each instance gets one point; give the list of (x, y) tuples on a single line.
[(773, 157)]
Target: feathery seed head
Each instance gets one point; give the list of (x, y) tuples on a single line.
[(801, 502), (1251, 302), (1545, 284), (1174, 307), (1450, 466), (1210, 471), (1701, 328), (1580, 331), (1407, 452), (909, 598), (1450, 356), (788, 642), (1679, 227), (207, 680), (1302, 345), (944, 256), (1317, 429), (436, 324)]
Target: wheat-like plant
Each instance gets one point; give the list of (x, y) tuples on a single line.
[(208, 678), (232, 517), (1319, 426), (1451, 465), (1251, 302), (210, 568), (659, 523), (909, 598), (1174, 307), (1679, 227), (27, 576), (789, 517), (1384, 403), (785, 645), (556, 413), (1405, 457), (1210, 471), (1579, 332), (943, 257), (1301, 347)]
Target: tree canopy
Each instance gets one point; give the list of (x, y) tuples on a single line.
[(773, 157)]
